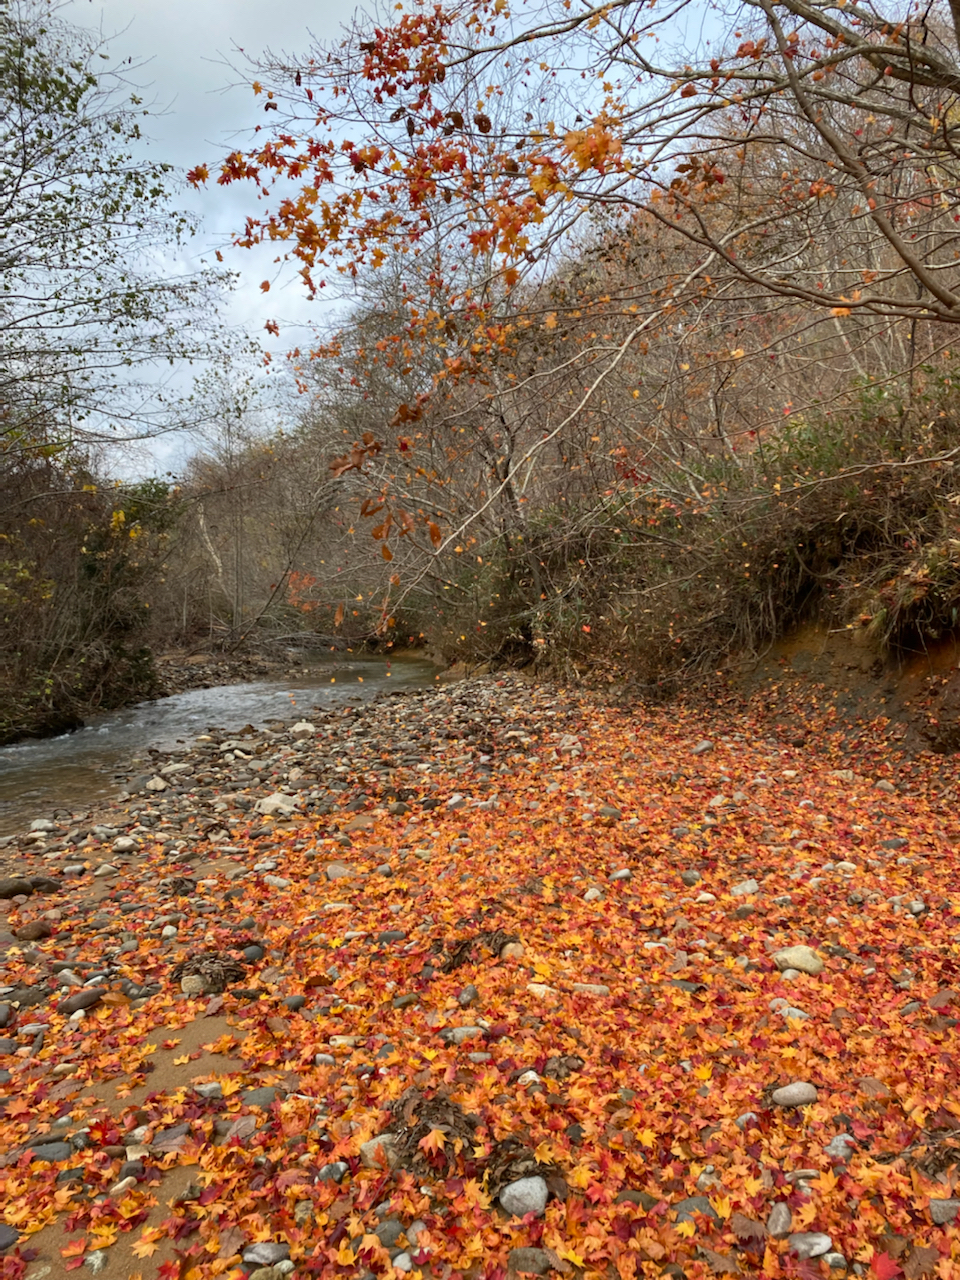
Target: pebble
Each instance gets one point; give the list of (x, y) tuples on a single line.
[(810, 1244), (457, 1035), (593, 894), (623, 874), (591, 989), (803, 958), (375, 1151), (690, 878), (744, 888), (533, 1261), (262, 1097), (702, 748), (403, 1262), (82, 1000), (277, 882), (779, 1220), (266, 1253), (800, 1093), (8, 1236), (526, 1195), (943, 1211), (841, 1147), (511, 951)]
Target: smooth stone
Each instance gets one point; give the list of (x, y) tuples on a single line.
[(168, 932), (798, 1094), (212, 1089), (389, 1232), (744, 888), (943, 1211), (8, 1236), (253, 953), (52, 1151), (803, 958), (335, 1172), (14, 887), (293, 1003), (277, 882), (690, 878), (526, 1195), (779, 1220), (324, 1060), (593, 894), (591, 989), (533, 1261), (379, 1150), (260, 1098), (82, 1000), (748, 1118), (457, 1035), (810, 1244), (702, 748), (403, 1262), (835, 1261), (266, 1253), (339, 871), (841, 1147), (468, 996), (685, 1209)]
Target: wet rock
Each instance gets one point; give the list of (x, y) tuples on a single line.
[(526, 1195)]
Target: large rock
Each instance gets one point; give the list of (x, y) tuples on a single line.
[(526, 1195), (14, 886), (803, 958), (798, 1094)]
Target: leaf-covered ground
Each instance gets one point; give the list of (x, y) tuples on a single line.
[(549, 962)]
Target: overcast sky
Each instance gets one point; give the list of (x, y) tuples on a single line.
[(184, 44)]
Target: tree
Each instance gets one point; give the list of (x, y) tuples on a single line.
[(89, 320)]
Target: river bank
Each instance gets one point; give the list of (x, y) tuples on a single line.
[(488, 979)]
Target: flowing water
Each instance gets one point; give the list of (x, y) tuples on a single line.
[(73, 771)]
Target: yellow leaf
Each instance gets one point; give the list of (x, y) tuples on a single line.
[(181, 1062), (722, 1204), (550, 320), (685, 1229), (839, 311), (703, 1072), (738, 354), (647, 1137), (144, 1249)]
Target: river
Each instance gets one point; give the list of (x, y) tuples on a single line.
[(73, 771)]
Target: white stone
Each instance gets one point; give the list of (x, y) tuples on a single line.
[(277, 803), (303, 729), (156, 784), (526, 1195)]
